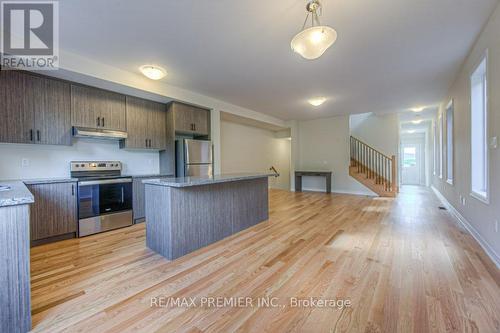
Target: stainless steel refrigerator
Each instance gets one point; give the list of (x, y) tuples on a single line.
[(194, 158)]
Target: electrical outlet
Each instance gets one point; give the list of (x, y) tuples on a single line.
[(463, 200), (494, 142), (25, 162)]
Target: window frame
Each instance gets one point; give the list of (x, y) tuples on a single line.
[(435, 153), (450, 145), (479, 196), (441, 143)]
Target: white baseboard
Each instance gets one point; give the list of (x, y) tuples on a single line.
[(467, 226)]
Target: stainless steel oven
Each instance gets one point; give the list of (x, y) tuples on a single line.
[(104, 200)]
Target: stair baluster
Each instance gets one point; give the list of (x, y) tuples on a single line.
[(375, 167)]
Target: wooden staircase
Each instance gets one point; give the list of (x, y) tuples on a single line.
[(373, 169)]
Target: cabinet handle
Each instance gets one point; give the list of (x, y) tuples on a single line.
[(38, 135), (149, 143), (146, 143), (31, 135), (102, 121), (73, 189), (194, 127), (98, 121)]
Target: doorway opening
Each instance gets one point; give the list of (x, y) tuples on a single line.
[(413, 166), (416, 149)]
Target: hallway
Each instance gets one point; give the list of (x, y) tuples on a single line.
[(402, 263)]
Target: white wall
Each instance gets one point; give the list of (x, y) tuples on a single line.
[(379, 131), (53, 161), (479, 215), (323, 144), (251, 149)]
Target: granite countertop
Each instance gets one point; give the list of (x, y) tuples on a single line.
[(17, 195), (196, 181), (48, 180), (147, 175)]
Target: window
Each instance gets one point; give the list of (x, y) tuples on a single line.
[(435, 147), (449, 142), (409, 157), (479, 131), (440, 146)]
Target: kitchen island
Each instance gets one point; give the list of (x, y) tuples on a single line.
[(188, 213), (15, 299)]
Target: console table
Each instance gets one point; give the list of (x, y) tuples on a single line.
[(300, 174)]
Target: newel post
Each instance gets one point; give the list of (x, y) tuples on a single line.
[(395, 182)]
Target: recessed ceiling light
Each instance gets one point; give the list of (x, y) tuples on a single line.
[(416, 122), (410, 131), (317, 101), (419, 109), (153, 72)]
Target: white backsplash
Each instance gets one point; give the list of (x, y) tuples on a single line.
[(26, 161)]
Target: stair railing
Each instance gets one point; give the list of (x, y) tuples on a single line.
[(273, 169), (374, 164)]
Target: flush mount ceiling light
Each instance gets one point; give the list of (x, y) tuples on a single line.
[(316, 101), (416, 122), (419, 109), (312, 42), (153, 72), (410, 131)]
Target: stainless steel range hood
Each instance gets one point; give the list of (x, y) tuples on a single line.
[(98, 133)]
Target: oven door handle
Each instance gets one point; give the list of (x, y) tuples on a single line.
[(123, 195), (105, 181)]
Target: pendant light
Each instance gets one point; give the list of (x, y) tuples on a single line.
[(312, 42)]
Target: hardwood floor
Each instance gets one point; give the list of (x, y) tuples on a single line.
[(402, 263)]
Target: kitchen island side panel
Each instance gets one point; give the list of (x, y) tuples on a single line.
[(201, 216), (250, 203), (180, 220), (158, 220), (15, 301)]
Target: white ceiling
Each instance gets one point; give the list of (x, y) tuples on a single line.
[(390, 54)]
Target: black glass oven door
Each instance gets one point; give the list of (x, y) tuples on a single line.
[(88, 201), (115, 197)]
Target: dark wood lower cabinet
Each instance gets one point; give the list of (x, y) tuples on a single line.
[(54, 213), (138, 190)]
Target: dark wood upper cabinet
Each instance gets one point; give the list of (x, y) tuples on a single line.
[(201, 121), (137, 124), (97, 108), (34, 109), (54, 212), (147, 128), (183, 117), (190, 119), (17, 121), (53, 121), (157, 122)]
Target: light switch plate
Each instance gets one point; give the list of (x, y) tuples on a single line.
[(25, 163)]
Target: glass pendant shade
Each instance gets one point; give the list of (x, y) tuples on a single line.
[(312, 42)]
